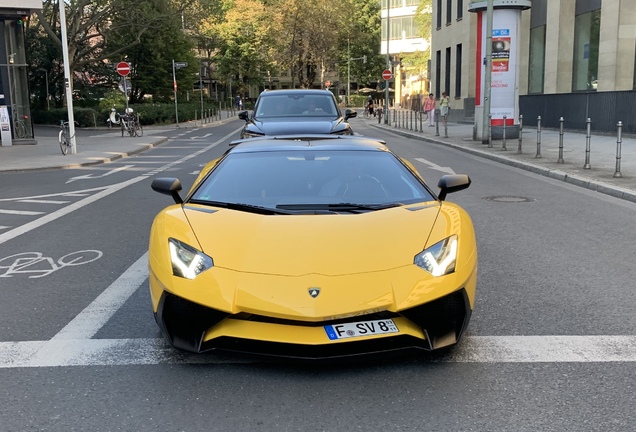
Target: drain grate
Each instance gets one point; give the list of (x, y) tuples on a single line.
[(509, 199)]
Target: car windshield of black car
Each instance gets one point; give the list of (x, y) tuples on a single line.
[(314, 105), (320, 177)]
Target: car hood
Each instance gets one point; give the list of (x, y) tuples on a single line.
[(332, 244), (287, 126)]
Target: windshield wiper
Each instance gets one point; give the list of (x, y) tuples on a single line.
[(242, 207), (347, 207)]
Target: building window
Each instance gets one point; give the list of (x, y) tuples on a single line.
[(439, 14), (460, 9), (458, 71), (412, 3), (449, 11), (447, 72), (536, 68), (586, 40), (438, 73)]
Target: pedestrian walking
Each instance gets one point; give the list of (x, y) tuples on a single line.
[(429, 107), (444, 104), (239, 102)]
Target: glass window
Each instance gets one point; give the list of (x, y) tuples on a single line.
[(536, 68), (449, 11), (458, 71), (292, 177), (586, 40), (439, 14), (460, 9)]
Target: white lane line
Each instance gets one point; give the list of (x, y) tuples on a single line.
[(37, 201), (105, 192), (4, 227), (475, 349), (20, 212), (66, 210), (95, 315), (436, 167)]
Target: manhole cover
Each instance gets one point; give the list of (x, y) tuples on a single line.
[(509, 199)]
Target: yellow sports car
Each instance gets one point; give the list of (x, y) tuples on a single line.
[(314, 247)]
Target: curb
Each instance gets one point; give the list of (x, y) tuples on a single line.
[(572, 179)]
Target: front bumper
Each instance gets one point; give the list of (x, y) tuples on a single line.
[(192, 327)]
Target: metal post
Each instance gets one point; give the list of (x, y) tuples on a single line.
[(588, 138), (503, 141), (446, 127), (388, 57), (174, 85), (436, 124), (395, 118), (488, 71), (68, 79), (538, 155), (520, 134), (421, 128), (619, 141), (489, 130), (201, 93), (560, 160)]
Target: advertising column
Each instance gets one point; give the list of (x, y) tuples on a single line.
[(504, 88), (5, 126)]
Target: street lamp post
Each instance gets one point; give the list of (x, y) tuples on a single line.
[(46, 77), (388, 62)]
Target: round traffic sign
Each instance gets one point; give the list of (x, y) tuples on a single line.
[(123, 68), (386, 74)]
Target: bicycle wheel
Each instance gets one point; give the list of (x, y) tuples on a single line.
[(64, 142), (366, 113), (139, 131), (123, 128), (131, 128), (20, 130)]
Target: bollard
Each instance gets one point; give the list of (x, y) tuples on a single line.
[(560, 160), (421, 128), (520, 134), (619, 140), (538, 155), (394, 118), (411, 117), (489, 130), (503, 140), (446, 127), (436, 123), (588, 138)]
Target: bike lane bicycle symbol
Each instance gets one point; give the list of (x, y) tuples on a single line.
[(37, 265)]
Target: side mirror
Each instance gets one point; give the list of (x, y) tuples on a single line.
[(452, 183), (243, 115), (168, 186), (349, 113)]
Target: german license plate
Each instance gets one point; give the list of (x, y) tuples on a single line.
[(362, 328)]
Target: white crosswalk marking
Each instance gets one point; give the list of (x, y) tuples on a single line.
[(39, 201), (20, 212)]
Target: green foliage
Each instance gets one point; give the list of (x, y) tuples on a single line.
[(113, 98)]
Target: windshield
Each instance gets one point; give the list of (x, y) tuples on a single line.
[(312, 179), (292, 105)]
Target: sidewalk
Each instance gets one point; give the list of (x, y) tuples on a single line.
[(102, 145), (94, 146), (599, 177)]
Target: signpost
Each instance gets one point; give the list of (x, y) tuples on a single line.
[(175, 66), (123, 69)]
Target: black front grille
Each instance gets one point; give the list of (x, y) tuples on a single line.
[(339, 351), (443, 320), (265, 319), (184, 322)]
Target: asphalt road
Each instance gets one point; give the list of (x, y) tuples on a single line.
[(551, 345)]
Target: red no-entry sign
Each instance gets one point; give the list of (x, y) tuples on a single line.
[(123, 68), (386, 74)]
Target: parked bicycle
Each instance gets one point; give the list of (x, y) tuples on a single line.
[(65, 137), (130, 124), (20, 129)]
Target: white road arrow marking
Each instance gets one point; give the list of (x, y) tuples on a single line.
[(436, 167), (91, 176)]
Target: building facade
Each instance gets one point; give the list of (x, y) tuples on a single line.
[(14, 87), (577, 60)]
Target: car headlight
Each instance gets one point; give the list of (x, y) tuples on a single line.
[(187, 262), (439, 259)]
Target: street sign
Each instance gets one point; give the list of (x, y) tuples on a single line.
[(386, 74), (123, 68), (180, 65)]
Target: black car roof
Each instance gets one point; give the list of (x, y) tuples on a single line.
[(295, 91), (318, 142)]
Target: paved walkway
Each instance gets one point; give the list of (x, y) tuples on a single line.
[(103, 145)]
